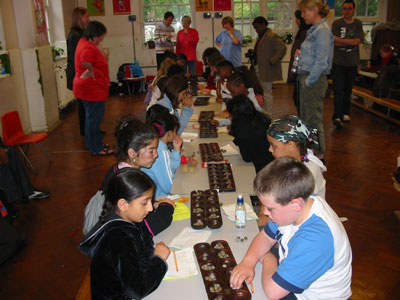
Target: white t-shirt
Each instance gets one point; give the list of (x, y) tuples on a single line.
[(314, 257), (316, 167)]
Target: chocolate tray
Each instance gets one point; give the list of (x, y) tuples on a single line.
[(216, 263), (206, 116), (205, 209), (210, 152), (220, 177), (201, 101), (208, 130)]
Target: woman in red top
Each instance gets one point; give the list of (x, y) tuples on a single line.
[(186, 43), (91, 84)]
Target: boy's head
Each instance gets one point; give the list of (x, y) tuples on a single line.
[(225, 69), (182, 59), (283, 186)]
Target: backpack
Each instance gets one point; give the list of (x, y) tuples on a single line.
[(93, 211)]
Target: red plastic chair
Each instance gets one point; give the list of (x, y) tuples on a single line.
[(13, 135)]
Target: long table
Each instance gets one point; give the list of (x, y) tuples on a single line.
[(184, 182)]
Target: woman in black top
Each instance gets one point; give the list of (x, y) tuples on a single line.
[(80, 18), (249, 127)]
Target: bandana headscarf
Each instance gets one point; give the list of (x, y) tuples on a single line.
[(291, 128)]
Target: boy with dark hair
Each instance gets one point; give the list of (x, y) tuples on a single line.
[(182, 60), (314, 251)]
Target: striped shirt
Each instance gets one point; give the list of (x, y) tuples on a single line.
[(162, 43)]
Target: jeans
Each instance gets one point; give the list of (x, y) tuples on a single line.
[(343, 81), (191, 64), (94, 117), (311, 105)]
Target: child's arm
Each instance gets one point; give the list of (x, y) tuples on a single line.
[(176, 153), (161, 218), (244, 271), (184, 118)]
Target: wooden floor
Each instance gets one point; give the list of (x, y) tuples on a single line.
[(360, 158)]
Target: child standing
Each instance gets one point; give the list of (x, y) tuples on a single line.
[(125, 264), (249, 127), (163, 170)]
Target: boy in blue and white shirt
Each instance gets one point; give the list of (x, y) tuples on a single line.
[(314, 250)]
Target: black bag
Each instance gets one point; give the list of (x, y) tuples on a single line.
[(8, 211)]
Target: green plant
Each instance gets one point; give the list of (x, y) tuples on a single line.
[(286, 37), (247, 39), (56, 52)]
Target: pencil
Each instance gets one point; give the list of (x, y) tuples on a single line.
[(176, 261), (252, 287)]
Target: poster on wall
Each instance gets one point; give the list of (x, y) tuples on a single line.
[(95, 7), (122, 7), (204, 5), (221, 5), (41, 26)]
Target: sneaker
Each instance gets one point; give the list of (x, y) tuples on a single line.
[(38, 195), (346, 118), (337, 122)]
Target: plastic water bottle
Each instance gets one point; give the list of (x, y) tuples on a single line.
[(240, 213), (295, 65)]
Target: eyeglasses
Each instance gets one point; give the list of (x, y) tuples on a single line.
[(347, 8)]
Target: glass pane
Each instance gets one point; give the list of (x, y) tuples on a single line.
[(160, 11), (270, 6), (158, 2), (246, 11), (338, 8), (148, 32), (255, 10), (175, 10), (361, 8), (149, 14), (147, 2), (185, 10), (246, 29), (237, 11), (237, 0), (270, 16), (372, 8)]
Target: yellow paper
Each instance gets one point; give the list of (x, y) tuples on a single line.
[(181, 212)]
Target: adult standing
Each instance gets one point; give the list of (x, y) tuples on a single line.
[(230, 42), (186, 43), (269, 51), (162, 37), (298, 40), (91, 84), (348, 34), (80, 19), (315, 62)]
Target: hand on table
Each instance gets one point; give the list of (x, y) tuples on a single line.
[(219, 100), (214, 122), (164, 200), (242, 272), (223, 114), (162, 250), (193, 162), (187, 101)]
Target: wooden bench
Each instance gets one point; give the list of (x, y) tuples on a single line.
[(367, 95)]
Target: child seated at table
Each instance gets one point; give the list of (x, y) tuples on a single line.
[(314, 259), (249, 129), (175, 93), (125, 264), (163, 169)]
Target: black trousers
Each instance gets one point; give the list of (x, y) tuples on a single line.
[(343, 81), (82, 117)]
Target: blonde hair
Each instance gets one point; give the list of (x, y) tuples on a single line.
[(323, 9), (187, 19), (77, 15), (163, 70)]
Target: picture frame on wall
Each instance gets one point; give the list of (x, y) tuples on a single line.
[(121, 7), (204, 5), (222, 5), (95, 7)]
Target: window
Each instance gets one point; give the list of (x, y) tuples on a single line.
[(154, 10), (279, 14), (244, 11), (366, 10)]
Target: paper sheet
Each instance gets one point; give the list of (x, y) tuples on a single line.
[(181, 212), (189, 136), (189, 237), (186, 264), (223, 129), (194, 118), (228, 150), (229, 210)]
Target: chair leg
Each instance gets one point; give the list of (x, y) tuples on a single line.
[(27, 160), (45, 152)]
